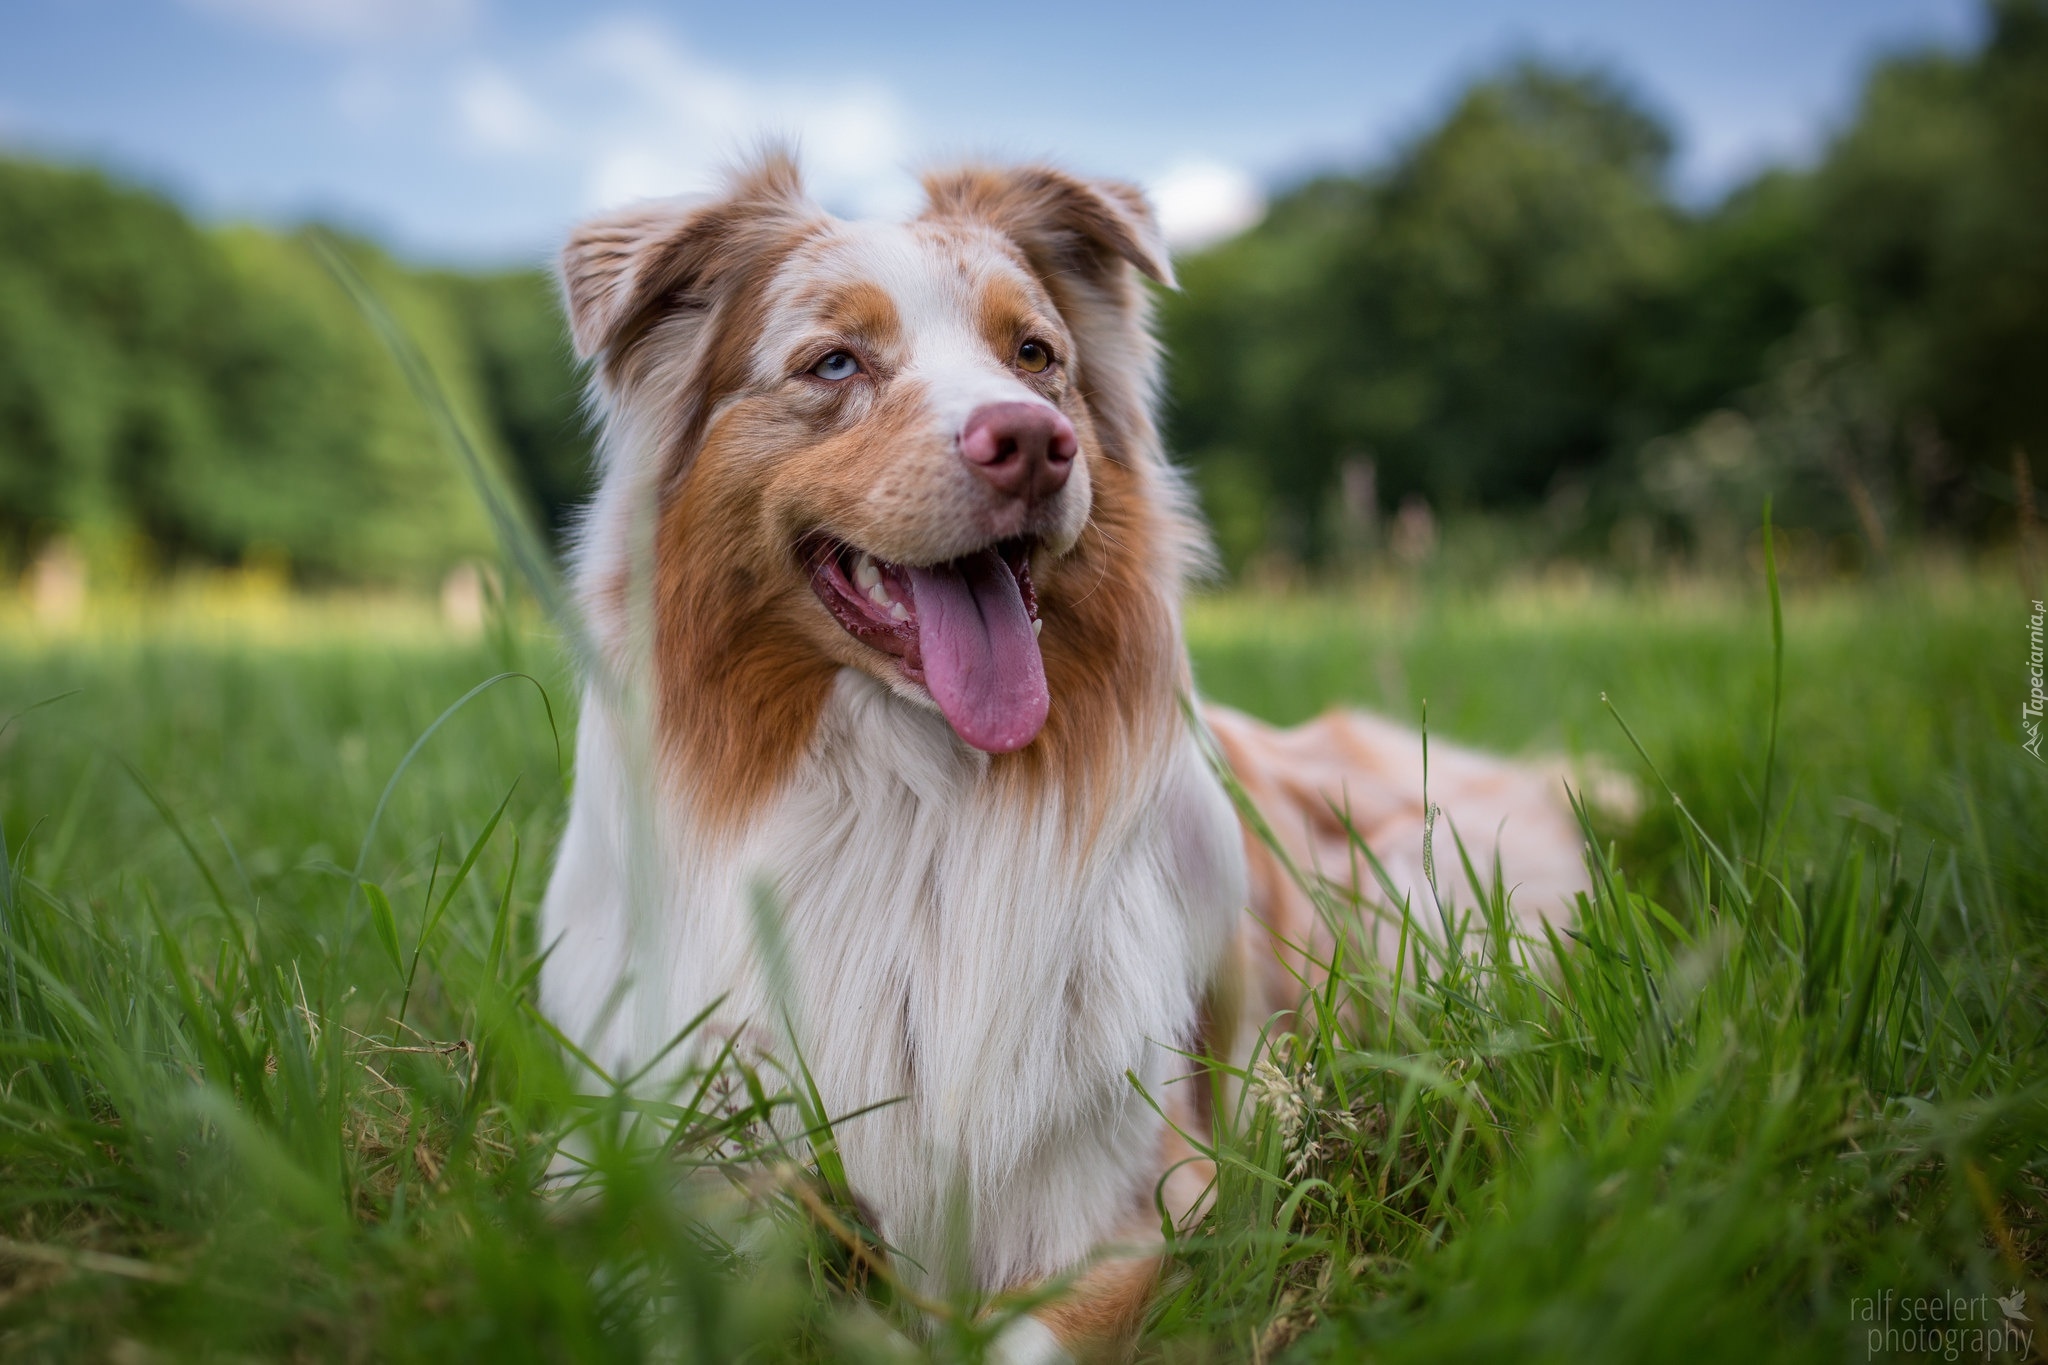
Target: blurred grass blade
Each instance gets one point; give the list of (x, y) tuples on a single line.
[(514, 526), (385, 923)]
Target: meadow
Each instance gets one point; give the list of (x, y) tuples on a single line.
[(271, 1086)]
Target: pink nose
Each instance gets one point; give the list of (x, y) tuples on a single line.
[(1024, 450)]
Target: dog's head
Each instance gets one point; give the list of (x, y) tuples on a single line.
[(909, 448)]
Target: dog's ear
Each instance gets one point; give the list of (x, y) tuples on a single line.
[(1063, 223), (621, 269)]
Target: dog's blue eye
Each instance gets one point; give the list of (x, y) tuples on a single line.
[(838, 365)]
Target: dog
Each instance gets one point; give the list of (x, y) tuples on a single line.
[(882, 579)]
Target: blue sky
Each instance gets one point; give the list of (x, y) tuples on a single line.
[(476, 130)]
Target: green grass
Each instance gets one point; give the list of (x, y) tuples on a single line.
[(1782, 1065)]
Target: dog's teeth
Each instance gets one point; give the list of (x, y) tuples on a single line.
[(898, 612), (879, 594), (865, 574), (1037, 627)]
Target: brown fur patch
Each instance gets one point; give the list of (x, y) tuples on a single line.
[(745, 658), (746, 654), (1111, 646), (1346, 768), (670, 301), (675, 305), (1103, 1309), (1008, 315), (1098, 1314), (1082, 240), (1112, 663), (861, 313), (622, 271)]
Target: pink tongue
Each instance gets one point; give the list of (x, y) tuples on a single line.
[(981, 659)]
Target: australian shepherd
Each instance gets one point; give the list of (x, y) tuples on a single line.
[(883, 579)]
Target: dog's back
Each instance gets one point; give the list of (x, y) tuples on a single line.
[(1349, 779)]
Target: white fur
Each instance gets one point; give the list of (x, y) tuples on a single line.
[(941, 355), (997, 978), (998, 970), (1027, 1341), (998, 973)]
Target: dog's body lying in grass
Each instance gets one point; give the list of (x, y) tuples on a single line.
[(885, 527)]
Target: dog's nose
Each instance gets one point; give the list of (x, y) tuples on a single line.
[(1024, 450)]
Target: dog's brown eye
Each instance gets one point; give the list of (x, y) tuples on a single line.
[(836, 366), (1032, 357)]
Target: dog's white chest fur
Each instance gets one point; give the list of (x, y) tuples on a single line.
[(990, 968)]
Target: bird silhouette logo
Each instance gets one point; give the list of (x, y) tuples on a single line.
[(2014, 1306)]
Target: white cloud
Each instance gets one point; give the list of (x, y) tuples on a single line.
[(635, 114), (498, 115), (349, 21), (1203, 201)]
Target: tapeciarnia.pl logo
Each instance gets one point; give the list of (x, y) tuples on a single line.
[(1947, 1326), (2037, 696)]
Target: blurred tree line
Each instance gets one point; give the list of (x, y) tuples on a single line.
[(171, 395), (1514, 313)]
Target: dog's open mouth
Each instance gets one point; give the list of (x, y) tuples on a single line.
[(966, 629)]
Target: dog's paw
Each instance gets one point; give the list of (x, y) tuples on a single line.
[(1027, 1341)]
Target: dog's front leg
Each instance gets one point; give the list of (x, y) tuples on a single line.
[(1098, 1315), (1094, 1318)]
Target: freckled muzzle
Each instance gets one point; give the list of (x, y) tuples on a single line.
[(967, 630)]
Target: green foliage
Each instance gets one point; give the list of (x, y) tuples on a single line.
[(171, 395), (1936, 228), (532, 389), (1513, 310), (1515, 307), (254, 1109), (1454, 319), (1826, 1047), (1782, 1064)]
